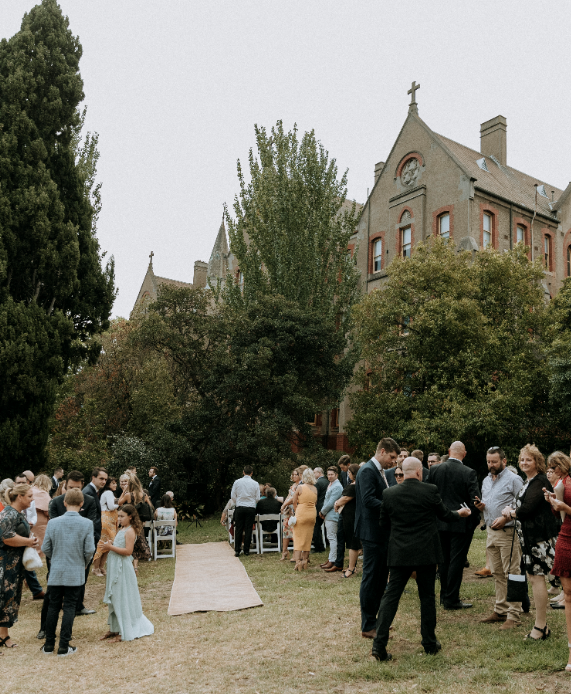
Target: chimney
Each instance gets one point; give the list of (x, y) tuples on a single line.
[(493, 139), (378, 169), (200, 270)]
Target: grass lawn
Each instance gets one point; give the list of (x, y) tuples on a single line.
[(306, 638)]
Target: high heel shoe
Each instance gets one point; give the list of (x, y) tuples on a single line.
[(297, 566), (285, 555), (545, 634), (303, 565)]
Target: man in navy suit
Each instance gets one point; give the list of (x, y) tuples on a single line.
[(369, 486)]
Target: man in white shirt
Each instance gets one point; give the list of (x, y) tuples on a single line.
[(245, 494)]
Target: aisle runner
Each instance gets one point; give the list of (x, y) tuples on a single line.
[(209, 577)]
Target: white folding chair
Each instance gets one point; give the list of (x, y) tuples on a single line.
[(270, 546), (148, 525), (164, 538), (255, 539)]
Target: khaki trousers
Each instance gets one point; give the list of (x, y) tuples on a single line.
[(498, 546)]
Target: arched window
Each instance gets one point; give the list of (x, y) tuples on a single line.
[(520, 234), (377, 255), (406, 242), (444, 225), (487, 230)]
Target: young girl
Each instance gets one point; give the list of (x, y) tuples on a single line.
[(126, 618)]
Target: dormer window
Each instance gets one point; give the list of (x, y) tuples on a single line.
[(487, 230), (444, 226), (377, 255)]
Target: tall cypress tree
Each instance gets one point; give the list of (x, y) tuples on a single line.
[(54, 293)]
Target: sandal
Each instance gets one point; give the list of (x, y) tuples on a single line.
[(545, 634), (351, 572), (108, 635), (3, 643)]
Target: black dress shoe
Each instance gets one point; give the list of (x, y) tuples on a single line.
[(433, 650), (41, 635), (381, 655), (458, 605)]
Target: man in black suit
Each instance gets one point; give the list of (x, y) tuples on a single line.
[(343, 464), (369, 486), (391, 479), (93, 489), (321, 484), (74, 480), (409, 518), (457, 485), (155, 487), (56, 479)]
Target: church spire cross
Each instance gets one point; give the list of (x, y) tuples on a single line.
[(152, 253), (413, 106)]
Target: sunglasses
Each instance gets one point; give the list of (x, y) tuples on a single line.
[(399, 474)]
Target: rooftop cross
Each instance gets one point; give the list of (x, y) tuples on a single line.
[(412, 91), (152, 253)]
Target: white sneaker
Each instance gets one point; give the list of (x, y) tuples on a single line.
[(70, 651)]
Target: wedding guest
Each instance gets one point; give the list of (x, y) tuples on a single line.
[(154, 486), (557, 469), (126, 619), (321, 485), (41, 490), (262, 490), (56, 480), (245, 494), (399, 474), (15, 536), (137, 497), (433, 459), (346, 506), (109, 508), (343, 465), (537, 531), (32, 517), (269, 506), (401, 456), (69, 545), (166, 512), (62, 488), (562, 563), (287, 512), (304, 509), (93, 489), (330, 515)]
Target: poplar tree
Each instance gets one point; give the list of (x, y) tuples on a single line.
[(54, 293)]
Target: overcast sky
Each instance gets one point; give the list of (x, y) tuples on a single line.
[(174, 89)]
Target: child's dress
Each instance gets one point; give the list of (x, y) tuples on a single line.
[(122, 595)]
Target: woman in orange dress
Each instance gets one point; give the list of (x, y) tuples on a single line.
[(41, 491), (304, 501)]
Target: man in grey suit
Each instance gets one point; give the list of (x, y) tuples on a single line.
[(69, 544)]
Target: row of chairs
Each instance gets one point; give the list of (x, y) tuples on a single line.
[(153, 538), (262, 540)]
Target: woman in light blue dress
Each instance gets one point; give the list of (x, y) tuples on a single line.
[(126, 619)]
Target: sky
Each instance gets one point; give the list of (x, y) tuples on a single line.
[(175, 88)]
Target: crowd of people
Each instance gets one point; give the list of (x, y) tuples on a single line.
[(410, 519), (76, 526)]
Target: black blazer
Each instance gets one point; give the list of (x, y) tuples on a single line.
[(534, 512), (392, 480), (155, 491), (369, 487), (57, 509), (457, 484), (321, 485), (344, 478), (409, 517), (88, 490)]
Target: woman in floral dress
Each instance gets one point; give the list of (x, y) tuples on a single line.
[(14, 538), (287, 513), (537, 529)]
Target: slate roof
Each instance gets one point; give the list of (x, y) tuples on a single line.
[(174, 283), (503, 181)]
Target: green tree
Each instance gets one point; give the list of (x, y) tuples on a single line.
[(54, 294), (292, 227), (248, 381), (560, 359), (453, 348)]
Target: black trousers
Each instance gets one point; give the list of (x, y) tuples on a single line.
[(66, 597), (317, 541), (455, 547), (340, 543), (244, 517), (373, 583), (425, 579), (80, 597)]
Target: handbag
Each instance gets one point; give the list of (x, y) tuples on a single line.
[(517, 583), (291, 522), (31, 559)]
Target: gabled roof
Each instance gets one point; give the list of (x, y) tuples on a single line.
[(500, 180), (174, 283)]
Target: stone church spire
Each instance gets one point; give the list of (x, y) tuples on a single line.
[(218, 263)]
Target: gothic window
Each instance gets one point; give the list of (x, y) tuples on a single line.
[(520, 234), (487, 230), (377, 255), (444, 225), (406, 241)]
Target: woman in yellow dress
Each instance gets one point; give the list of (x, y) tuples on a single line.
[(304, 508)]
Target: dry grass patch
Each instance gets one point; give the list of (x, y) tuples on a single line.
[(306, 638)]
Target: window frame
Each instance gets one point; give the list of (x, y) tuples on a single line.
[(402, 242), (441, 217), (378, 256)]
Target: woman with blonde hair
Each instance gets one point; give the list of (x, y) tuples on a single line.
[(134, 495), (41, 496), (287, 513), (109, 508), (536, 528), (15, 536), (303, 501)]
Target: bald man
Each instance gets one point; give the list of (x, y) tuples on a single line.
[(457, 485), (408, 516)]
